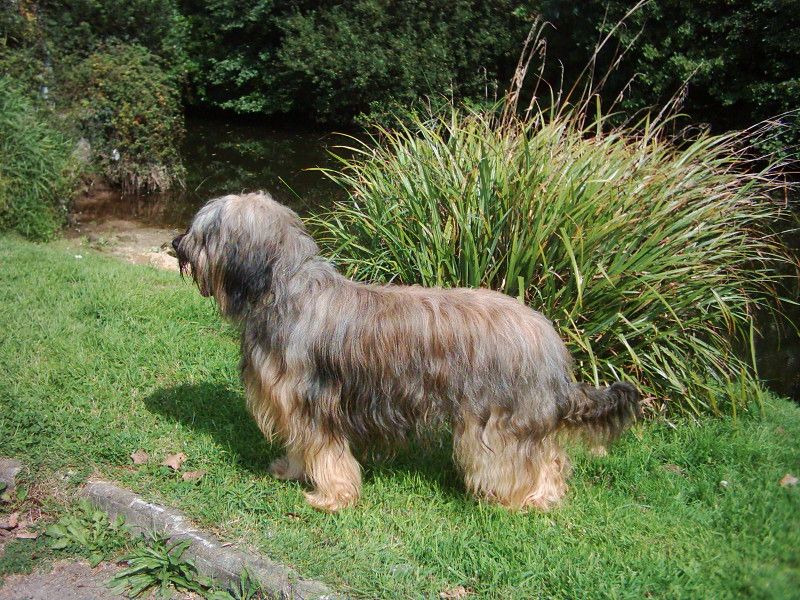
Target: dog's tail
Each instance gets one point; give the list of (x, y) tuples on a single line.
[(602, 413)]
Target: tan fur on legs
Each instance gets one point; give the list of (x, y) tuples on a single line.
[(335, 474), (272, 401), (550, 486), (504, 469), (328, 464), (289, 467)]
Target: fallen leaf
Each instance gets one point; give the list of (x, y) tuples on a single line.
[(11, 522), (454, 593), (788, 480), (26, 535), (174, 461), (140, 457), (672, 468), (293, 516), (193, 475)]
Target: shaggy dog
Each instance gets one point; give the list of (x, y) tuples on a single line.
[(329, 363)]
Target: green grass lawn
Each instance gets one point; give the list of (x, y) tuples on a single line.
[(99, 359)]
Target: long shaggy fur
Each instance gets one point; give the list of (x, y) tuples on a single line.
[(329, 363)]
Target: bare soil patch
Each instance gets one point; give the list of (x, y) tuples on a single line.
[(122, 227), (68, 580)]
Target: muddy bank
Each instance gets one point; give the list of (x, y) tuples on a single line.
[(123, 227)]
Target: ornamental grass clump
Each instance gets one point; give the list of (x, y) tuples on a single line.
[(650, 256), (38, 173)]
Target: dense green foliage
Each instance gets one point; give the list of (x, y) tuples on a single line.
[(78, 27), (36, 167), (650, 258), (22, 58), (113, 73), (122, 358), (333, 61), (739, 60), (126, 105)]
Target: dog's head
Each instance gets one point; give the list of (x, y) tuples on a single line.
[(240, 248)]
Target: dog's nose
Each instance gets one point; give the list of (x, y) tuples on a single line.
[(177, 241)]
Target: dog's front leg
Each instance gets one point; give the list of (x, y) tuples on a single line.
[(289, 467), (334, 473)]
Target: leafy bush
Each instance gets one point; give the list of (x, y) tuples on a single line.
[(396, 52), (79, 27), (650, 257), (333, 61), (37, 171), (21, 57), (736, 58), (127, 105)]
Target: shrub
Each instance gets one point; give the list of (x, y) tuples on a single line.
[(649, 256), (79, 27), (333, 61), (37, 174), (126, 104), (738, 58)]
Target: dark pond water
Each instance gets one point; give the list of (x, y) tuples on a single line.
[(223, 157), (226, 157), (778, 347)]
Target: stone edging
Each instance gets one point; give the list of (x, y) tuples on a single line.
[(210, 556), (9, 468)]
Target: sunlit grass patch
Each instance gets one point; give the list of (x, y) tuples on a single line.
[(99, 359)]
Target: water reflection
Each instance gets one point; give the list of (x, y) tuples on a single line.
[(778, 347), (226, 157), (223, 157)]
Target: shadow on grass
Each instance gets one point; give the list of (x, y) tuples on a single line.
[(219, 411)]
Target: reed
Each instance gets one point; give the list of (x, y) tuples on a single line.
[(650, 256)]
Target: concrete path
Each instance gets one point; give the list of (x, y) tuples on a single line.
[(68, 580)]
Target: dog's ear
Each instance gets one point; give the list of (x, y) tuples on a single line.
[(247, 276)]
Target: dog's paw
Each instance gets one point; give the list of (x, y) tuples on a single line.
[(328, 503), (284, 469)]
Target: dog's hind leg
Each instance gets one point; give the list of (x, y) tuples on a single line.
[(506, 469)]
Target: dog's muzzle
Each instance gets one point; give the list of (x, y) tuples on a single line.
[(183, 264), (177, 241)]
